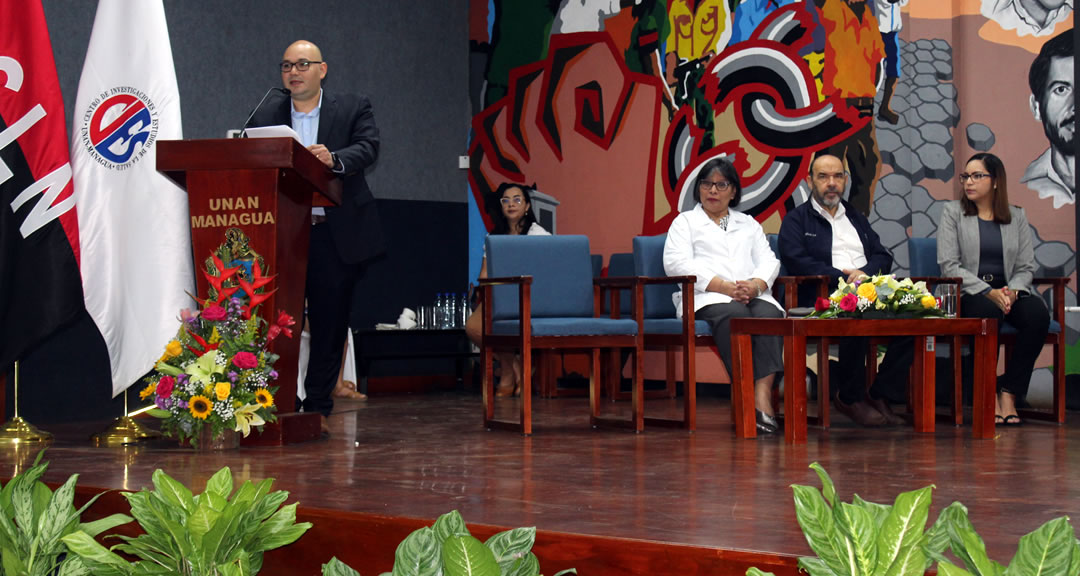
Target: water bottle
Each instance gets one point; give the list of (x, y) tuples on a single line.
[(463, 312), (451, 310), (440, 310)]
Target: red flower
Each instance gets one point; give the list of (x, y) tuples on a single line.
[(165, 386), (822, 304), (849, 302), (214, 313), (281, 326), (245, 360)]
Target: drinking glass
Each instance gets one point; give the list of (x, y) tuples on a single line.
[(947, 297)]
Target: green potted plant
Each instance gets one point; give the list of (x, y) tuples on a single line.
[(34, 520), (208, 534)]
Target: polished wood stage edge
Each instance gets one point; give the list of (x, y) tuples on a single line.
[(393, 464)]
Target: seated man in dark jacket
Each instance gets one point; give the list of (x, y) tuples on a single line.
[(825, 236)]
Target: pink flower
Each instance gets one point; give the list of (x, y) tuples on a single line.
[(214, 313), (165, 386), (849, 302), (822, 304), (245, 360)]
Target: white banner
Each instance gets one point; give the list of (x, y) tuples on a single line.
[(134, 234)]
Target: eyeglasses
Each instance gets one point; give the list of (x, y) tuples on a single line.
[(707, 185), (302, 65), (516, 200), (964, 176)]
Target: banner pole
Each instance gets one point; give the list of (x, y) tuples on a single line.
[(124, 430), (19, 431)]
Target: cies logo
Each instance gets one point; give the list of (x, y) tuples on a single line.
[(119, 127)]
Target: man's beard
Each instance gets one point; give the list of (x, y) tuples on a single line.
[(1061, 138)]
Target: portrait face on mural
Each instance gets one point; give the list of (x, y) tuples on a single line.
[(1055, 108), (826, 180), (303, 84)]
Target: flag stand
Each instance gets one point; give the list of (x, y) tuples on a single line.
[(17, 430), (122, 431)]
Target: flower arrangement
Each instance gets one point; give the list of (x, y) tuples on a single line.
[(882, 295), (218, 372)]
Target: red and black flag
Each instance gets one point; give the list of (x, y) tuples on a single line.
[(40, 286)]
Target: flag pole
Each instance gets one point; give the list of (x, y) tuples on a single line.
[(124, 430), (17, 430)]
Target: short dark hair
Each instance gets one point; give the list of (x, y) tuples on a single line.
[(727, 170), (494, 203), (999, 187), (1060, 46)]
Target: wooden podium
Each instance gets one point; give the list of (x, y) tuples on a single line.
[(255, 196)]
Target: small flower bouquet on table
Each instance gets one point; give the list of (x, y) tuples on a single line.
[(881, 296), (218, 372)]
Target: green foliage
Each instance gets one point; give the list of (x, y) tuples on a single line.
[(868, 539), (34, 519), (864, 538), (207, 534), (1052, 548), (446, 548)]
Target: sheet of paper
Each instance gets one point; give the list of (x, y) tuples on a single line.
[(273, 132)]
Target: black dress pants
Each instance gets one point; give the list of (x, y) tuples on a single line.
[(1032, 321), (330, 283), (767, 351), (892, 376)]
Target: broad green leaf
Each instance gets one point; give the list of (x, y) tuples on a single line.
[(220, 483), (947, 569), (418, 555), (936, 539), (176, 532), (527, 565), (22, 497), (285, 536), (175, 493), (828, 490), (863, 536), (818, 526), (903, 527), (878, 511), (336, 567), (266, 505), (449, 524), (911, 562), (1074, 562), (104, 524), (756, 572), (1046, 551), (202, 520), (281, 519), (511, 545), (144, 515), (11, 561), (467, 556), (159, 413), (58, 513), (82, 545), (975, 549), (966, 543), (815, 567), (73, 566)]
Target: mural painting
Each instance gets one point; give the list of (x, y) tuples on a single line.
[(610, 106)]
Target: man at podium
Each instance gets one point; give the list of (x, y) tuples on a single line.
[(339, 129)]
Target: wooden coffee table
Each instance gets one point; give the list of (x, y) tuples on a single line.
[(795, 331)]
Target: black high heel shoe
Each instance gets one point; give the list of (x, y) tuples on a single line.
[(766, 424)]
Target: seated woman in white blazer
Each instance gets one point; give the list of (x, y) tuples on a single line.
[(735, 269), (987, 243)]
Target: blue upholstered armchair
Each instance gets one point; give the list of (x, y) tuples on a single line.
[(541, 294), (924, 266)]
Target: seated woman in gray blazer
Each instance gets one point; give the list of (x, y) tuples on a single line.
[(988, 243)]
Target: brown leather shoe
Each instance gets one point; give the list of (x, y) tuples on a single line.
[(881, 405), (861, 413)]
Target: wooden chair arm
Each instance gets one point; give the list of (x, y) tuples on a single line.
[(1057, 296), (504, 280), (616, 282)]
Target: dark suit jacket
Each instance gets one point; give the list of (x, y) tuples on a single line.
[(347, 128), (805, 244)]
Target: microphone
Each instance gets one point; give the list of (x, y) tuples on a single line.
[(243, 133)]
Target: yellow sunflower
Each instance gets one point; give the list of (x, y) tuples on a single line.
[(148, 391), (200, 407), (264, 397)]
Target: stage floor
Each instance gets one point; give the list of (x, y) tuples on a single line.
[(421, 456)]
